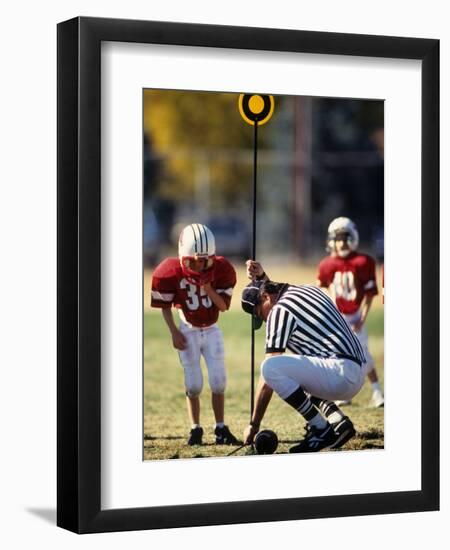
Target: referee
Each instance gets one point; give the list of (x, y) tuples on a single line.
[(327, 364)]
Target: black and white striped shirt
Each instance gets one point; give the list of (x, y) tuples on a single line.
[(306, 321)]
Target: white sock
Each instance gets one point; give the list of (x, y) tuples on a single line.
[(220, 424), (195, 426), (376, 386), (318, 421), (335, 417)]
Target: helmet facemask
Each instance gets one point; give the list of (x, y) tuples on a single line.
[(197, 276), (346, 238)]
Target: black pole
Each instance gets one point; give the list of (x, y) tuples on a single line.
[(252, 360)]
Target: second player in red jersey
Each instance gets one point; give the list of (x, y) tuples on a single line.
[(350, 279), (199, 285)]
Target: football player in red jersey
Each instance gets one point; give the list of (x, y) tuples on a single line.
[(200, 285), (350, 277)]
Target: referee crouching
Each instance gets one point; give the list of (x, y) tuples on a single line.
[(327, 364)]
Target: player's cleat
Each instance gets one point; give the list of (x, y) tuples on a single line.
[(225, 437), (345, 430), (316, 440), (195, 437), (377, 400), (343, 403)]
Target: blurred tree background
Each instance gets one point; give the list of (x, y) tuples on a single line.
[(318, 158)]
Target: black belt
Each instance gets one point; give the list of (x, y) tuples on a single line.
[(343, 356)]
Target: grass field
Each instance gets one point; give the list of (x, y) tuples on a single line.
[(166, 424)]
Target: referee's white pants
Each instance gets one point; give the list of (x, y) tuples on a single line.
[(329, 379)]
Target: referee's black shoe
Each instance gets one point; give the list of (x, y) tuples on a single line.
[(345, 430), (316, 440)]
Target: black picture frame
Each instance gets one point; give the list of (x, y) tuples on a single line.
[(79, 275)]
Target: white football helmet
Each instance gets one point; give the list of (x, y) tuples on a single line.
[(196, 242), (342, 226)]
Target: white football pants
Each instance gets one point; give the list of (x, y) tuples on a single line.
[(329, 379), (209, 343)]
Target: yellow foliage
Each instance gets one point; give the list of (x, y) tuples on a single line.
[(186, 128)]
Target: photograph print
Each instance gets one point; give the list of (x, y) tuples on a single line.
[(263, 254)]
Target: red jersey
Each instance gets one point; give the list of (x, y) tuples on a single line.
[(350, 278), (171, 288)]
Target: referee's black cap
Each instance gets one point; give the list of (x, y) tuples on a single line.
[(250, 299)]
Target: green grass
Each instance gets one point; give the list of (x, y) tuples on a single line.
[(166, 424)]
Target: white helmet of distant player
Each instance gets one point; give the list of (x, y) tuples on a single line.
[(196, 242), (342, 227)]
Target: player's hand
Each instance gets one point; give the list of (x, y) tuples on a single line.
[(254, 269), (203, 277), (249, 434), (179, 340)]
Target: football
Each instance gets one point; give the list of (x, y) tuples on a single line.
[(266, 442)]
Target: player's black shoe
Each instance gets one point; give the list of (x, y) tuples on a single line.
[(195, 437), (316, 440), (345, 430), (224, 436)]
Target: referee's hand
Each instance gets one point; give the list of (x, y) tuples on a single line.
[(249, 434), (254, 269)]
